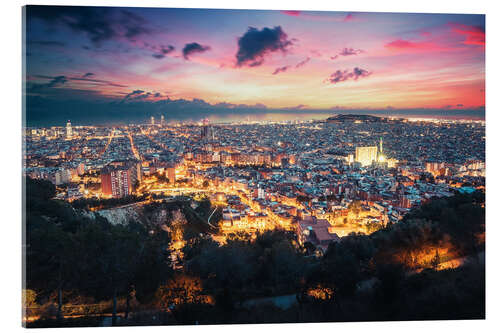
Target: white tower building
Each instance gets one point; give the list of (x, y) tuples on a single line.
[(69, 130)]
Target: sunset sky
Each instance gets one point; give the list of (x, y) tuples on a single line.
[(253, 59)]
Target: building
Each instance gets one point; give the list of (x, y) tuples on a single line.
[(366, 155), (171, 174), (316, 231), (206, 130), (120, 178), (152, 121), (69, 130), (62, 176), (162, 120)]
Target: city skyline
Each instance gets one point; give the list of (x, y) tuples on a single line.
[(137, 62)]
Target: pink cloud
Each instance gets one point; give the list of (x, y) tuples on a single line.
[(349, 17), (406, 45), (291, 12), (474, 35), (319, 17)]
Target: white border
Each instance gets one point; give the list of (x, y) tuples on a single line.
[(10, 120)]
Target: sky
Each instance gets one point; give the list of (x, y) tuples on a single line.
[(98, 63)]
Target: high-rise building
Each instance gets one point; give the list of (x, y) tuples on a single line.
[(62, 176), (366, 155), (205, 128), (69, 130), (152, 121), (162, 120), (120, 178)]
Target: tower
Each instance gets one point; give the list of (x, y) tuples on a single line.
[(69, 130), (380, 146), (205, 129), (152, 121), (162, 120)]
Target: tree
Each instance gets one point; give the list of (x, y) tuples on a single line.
[(435, 261), (181, 289), (50, 260), (29, 301)]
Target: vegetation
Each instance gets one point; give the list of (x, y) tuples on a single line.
[(428, 266), (97, 203), (66, 251)]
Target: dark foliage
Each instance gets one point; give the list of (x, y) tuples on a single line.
[(368, 278)]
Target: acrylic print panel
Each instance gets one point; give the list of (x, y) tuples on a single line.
[(198, 166)]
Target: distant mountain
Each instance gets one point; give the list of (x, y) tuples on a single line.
[(346, 118)]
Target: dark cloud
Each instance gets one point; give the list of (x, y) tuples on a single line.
[(347, 51), (163, 51), (287, 67), (98, 23), (134, 93), (136, 96), (255, 44), (46, 43), (340, 76), (350, 51), (167, 49), (191, 48), (133, 24), (281, 70), (303, 62), (54, 82), (97, 82), (57, 81)]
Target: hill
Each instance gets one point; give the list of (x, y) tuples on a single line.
[(346, 118)]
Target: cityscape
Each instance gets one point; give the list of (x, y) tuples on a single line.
[(285, 175), (148, 209)]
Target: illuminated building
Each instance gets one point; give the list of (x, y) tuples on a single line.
[(171, 174), (366, 155), (152, 121), (316, 231), (392, 163), (162, 120), (69, 130), (206, 130), (120, 178)]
